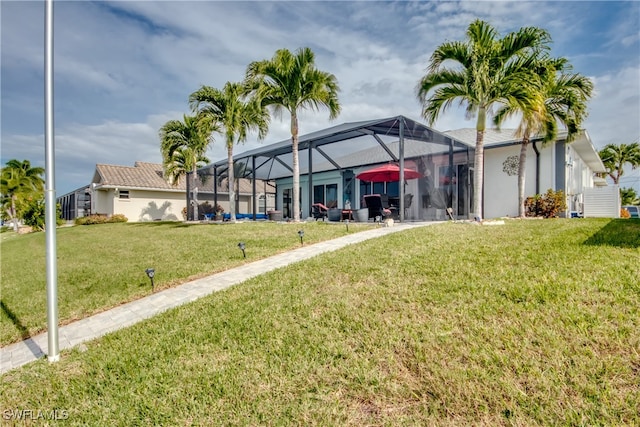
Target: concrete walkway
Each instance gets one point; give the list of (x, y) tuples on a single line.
[(21, 353)]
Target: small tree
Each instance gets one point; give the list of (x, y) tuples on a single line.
[(33, 214), (615, 157)]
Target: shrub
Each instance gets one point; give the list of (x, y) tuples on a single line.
[(624, 213), (118, 218), (547, 205), (100, 219), (33, 214)]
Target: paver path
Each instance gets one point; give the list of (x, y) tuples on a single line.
[(21, 353)]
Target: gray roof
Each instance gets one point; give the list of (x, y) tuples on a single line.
[(149, 176), (498, 138)]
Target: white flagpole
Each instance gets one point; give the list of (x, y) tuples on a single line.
[(50, 192)]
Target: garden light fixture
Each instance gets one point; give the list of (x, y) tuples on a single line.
[(301, 234), (150, 273), (242, 246)]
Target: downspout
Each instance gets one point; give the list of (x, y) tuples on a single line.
[(535, 148)]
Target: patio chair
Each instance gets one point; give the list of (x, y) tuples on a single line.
[(375, 206), (408, 198), (318, 210)]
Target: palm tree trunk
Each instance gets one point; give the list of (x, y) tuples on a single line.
[(296, 167), (478, 181), (522, 171), (232, 194), (14, 216), (194, 191)]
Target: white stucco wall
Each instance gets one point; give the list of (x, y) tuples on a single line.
[(501, 189), (142, 205), (102, 202)]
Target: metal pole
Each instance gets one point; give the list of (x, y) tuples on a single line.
[(401, 156), (50, 192)]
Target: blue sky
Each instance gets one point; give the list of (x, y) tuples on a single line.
[(122, 69)]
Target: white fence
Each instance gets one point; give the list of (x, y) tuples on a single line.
[(602, 202)]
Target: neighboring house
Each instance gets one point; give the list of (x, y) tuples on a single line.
[(142, 194), (570, 167), (331, 159)]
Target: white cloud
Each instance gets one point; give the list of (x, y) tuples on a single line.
[(125, 68)]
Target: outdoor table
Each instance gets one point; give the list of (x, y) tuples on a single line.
[(347, 214)]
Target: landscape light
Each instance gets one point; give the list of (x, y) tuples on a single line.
[(242, 246), (150, 273), (347, 223), (301, 234)]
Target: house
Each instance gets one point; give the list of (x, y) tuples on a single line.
[(558, 165), (332, 158), (141, 193)]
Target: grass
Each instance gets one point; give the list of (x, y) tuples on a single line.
[(101, 266), (530, 323)]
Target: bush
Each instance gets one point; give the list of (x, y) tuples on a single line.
[(33, 214), (547, 205), (118, 218), (624, 213), (100, 219)]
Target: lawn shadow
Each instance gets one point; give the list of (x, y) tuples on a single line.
[(24, 332), (168, 224), (624, 233)]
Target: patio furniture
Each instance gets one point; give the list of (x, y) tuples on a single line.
[(408, 198), (375, 206), (274, 215), (362, 215), (319, 211), (335, 214)]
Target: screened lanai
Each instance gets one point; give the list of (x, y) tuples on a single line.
[(330, 159)]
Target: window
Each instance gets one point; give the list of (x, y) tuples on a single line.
[(389, 188), (326, 194), (124, 194)]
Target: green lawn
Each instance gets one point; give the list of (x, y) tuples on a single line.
[(101, 266), (530, 323)]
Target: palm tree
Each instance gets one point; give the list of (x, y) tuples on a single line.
[(555, 98), (236, 115), (19, 180), (183, 160), (486, 70), (615, 157), (183, 145), (292, 82)]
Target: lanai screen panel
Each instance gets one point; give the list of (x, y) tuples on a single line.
[(351, 146)]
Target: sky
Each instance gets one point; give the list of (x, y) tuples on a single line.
[(122, 69)]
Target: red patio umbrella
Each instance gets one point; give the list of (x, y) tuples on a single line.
[(387, 173)]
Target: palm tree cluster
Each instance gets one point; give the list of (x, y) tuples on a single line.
[(288, 81), (19, 183), (513, 74)]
